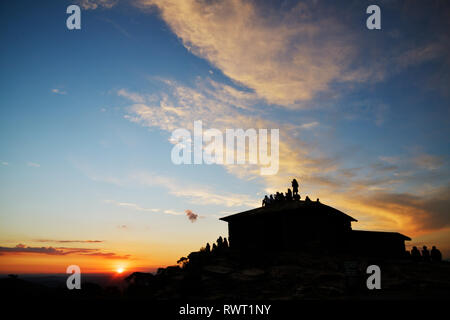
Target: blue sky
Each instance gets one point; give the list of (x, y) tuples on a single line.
[(86, 116)]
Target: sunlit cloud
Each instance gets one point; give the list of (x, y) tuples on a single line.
[(298, 53), (279, 58)]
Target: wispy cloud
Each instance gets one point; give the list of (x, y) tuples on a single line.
[(132, 206), (309, 125), (33, 164), (136, 207), (68, 241), (95, 4), (107, 255), (428, 161), (135, 97), (58, 91), (60, 251), (195, 194)]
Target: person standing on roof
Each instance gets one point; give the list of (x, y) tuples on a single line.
[(294, 186)]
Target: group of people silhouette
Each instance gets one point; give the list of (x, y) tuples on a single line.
[(222, 243), (435, 255), (280, 197)]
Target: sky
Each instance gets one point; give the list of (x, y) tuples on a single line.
[(86, 118)]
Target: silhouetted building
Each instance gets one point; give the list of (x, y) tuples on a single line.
[(306, 225)]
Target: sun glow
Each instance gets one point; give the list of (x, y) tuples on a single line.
[(120, 270)]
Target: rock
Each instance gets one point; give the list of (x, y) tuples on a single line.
[(217, 269), (253, 272)]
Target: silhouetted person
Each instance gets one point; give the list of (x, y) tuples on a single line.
[(296, 197), (294, 186), (265, 201), (220, 242), (425, 254), (208, 248), (214, 248), (436, 255), (271, 199), (307, 199), (289, 195), (225, 243), (415, 254)]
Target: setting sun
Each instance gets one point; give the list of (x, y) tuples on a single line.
[(119, 270)]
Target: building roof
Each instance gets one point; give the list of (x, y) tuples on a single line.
[(300, 206)]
